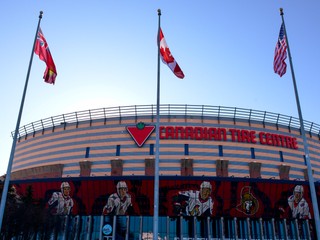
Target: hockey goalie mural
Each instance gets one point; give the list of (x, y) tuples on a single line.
[(177, 197)]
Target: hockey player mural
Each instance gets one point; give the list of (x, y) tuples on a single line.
[(298, 205), (107, 202), (118, 203), (194, 202), (61, 203), (123, 197), (60, 206)]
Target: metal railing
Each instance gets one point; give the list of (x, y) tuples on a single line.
[(201, 111)]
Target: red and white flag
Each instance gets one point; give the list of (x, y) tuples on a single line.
[(167, 58), (42, 50)]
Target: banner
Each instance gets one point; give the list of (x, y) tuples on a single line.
[(177, 197)]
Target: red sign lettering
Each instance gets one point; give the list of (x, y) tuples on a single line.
[(223, 134)]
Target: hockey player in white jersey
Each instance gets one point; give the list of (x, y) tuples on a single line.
[(119, 202), (61, 203), (194, 202), (298, 205), (118, 205), (60, 207)]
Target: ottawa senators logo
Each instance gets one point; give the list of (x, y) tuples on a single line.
[(248, 205)]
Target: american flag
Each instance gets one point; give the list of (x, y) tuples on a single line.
[(280, 54)]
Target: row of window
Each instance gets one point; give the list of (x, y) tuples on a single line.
[(186, 151)]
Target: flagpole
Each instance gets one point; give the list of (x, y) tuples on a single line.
[(8, 175), (305, 143), (156, 165)]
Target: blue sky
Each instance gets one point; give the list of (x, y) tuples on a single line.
[(106, 55)]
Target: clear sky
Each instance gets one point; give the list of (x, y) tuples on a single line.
[(106, 56)]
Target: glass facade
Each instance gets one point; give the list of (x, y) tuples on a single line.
[(180, 228)]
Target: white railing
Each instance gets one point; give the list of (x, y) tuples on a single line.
[(202, 111)]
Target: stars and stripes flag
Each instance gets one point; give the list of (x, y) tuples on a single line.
[(280, 54), (43, 51), (167, 57)]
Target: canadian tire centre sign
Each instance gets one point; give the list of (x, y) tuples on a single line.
[(141, 132)]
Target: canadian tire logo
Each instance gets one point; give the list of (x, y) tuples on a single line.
[(140, 132)]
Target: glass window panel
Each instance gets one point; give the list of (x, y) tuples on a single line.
[(188, 227), (202, 227), (96, 221), (147, 228), (215, 226), (134, 227), (186, 149), (220, 151), (174, 227), (84, 227), (151, 150), (118, 150), (162, 229)]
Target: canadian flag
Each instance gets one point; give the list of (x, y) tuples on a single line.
[(167, 57)]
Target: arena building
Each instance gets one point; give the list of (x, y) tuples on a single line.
[(225, 173)]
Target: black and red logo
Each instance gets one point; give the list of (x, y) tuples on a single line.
[(140, 132)]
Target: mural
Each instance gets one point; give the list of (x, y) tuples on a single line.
[(177, 197), (194, 202)]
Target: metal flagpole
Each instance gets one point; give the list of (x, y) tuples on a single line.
[(305, 143), (8, 175), (156, 165)]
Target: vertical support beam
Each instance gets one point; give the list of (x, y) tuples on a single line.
[(181, 228), (248, 228), (89, 223), (261, 228), (222, 228), (303, 134), (140, 228), (127, 229), (285, 229), (235, 228), (308, 228), (208, 228), (273, 229), (195, 227), (297, 229), (168, 227), (77, 226), (101, 227), (306, 174), (114, 228), (65, 226)]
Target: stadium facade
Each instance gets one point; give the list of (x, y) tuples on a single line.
[(224, 173)]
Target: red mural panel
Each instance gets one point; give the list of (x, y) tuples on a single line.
[(186, 197)]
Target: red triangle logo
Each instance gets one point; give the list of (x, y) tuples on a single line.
[(140, 133)]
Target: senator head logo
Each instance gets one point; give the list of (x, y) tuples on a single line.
[(140, 132), (248, 205)]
